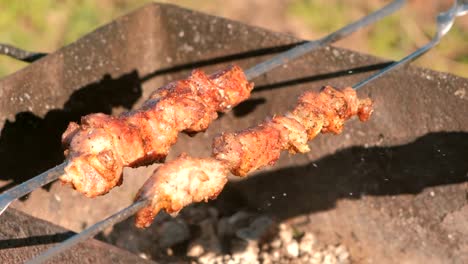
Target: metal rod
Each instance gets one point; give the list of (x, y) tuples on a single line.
[(250, 73), (397, 64), (91, 231), (26, 187), (20, 54), (445, 22), (302, 49), (53, 174)]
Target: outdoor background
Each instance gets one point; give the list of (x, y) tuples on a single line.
[(46, 25)]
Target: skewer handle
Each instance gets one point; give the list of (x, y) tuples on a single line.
[(91, 231), (302, 49), (397, 64), (445, 22), (28, 186)]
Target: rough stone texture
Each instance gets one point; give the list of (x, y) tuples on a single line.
[(392, 190), (22, 237)]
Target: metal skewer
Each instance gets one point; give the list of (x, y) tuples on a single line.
[(91, 231), (444, 23), (20, 54), (53, 174), (28, 186), (300, 50)]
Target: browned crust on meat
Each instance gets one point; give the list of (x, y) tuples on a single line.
[(246, 151), (324, 112), (144, 136), (179, 183)]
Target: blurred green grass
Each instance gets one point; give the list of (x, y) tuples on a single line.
[(395, 36), (46, 25)]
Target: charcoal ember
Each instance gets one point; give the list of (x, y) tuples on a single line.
[(265, 258), (195, 249), (276, 255), (286, 233), (329, 255), (208, 240), (276, 243), (336, 255), (194, 214), (251, 238), (209, 257), (172, 233), (292, 249), (342, 254), (142, 242), (316, 258), (304, 259), (136, 241), (227, 226), (261, 229), (307, 244), (330, 259), (245, 251)]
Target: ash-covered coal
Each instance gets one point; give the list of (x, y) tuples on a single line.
[(200, 234)]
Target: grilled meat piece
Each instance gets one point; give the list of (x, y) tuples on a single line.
[(178, 183), (99, 148), (256, 147)]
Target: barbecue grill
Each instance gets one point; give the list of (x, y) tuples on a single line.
[(390, 189)]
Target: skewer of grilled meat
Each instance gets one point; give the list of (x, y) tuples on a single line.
[(50, 175), (186, 180), (99, 148)]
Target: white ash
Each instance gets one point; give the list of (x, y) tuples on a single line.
[(292, 248), (200, 234)]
